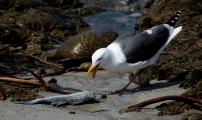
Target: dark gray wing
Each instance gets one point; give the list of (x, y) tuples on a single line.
[(143, 46)]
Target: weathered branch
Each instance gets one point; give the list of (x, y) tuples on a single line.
[(74, 62), (46, 85), (136, 107), (72, 69), (19, 80), (2, 93), (54, 66)]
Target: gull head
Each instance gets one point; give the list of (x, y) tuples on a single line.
[(99, 58)]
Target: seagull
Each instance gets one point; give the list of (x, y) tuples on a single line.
[(130, 53)]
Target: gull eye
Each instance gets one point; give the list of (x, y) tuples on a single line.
[(99, 58)]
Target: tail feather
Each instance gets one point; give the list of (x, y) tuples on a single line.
[(174, 33), (172, 21)]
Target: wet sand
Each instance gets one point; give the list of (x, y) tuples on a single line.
[(106, 110)]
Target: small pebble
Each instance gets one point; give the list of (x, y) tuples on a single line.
[(72, 112)]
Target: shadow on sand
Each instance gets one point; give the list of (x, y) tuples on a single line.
[(152, 86)]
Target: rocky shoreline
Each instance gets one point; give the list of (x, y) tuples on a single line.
[(57, 30)]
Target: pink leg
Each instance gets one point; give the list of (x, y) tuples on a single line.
[(132, 77), (140, 82)]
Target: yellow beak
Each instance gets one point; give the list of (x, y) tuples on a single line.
[(92, 71)]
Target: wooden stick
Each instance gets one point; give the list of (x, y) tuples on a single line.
[(57, 67), (159, 99), (46, 85), (19, 80), (2, 93)]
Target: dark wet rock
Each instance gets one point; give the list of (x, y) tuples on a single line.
[(192, 111), (17, 94), (12, 63), (86, 11), (117, 5), (84, 44), (44, 19), (22, 95), (25, 4), (43, 24), (5, 4), (195, 91), (192, 116), (20, 5), (64, 4), (10, 31), (11, 34), (104, 3), (34, 27), (146, 4), (184, 58), (47, 19), (172, 108)]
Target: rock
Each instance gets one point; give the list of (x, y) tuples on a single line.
[(146, 4), (34, 27), (103, 3), (173, 108), (44, 24), (86, 11), (13, 63), (20, 5), (6, 4), (183, 61), (17, 93), (46, 19), (10, 34), (115, 5), (64, 4), (192, 116), (195, 91), (84, 44), (179, 107)]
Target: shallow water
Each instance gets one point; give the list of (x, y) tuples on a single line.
[(113, 21)]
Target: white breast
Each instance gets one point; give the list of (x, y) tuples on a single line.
[(118, 55)]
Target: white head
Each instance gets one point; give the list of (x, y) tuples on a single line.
[(99, 57)]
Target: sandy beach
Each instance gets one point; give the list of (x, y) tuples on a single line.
[(106, 110)]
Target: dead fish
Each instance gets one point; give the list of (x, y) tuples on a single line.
[(71, 99)]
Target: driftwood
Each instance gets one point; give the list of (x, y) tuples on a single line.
[(74, 62), (2, 93), (65, 65), (40, 82), (72, 69), (185, 99), (20, 80), (46, 85), (71, 99), (57, 67)]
